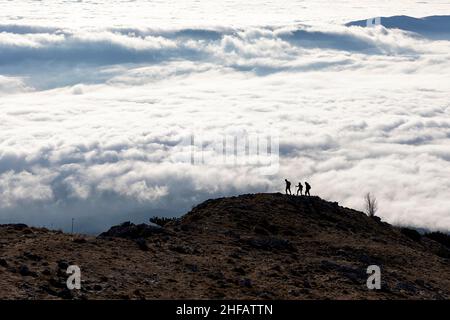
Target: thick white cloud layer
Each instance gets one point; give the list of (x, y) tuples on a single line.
[(92, 118)]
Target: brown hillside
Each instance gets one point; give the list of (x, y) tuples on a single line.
[(262, 246)]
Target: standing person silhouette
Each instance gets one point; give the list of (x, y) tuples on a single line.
[(288, 186), (307, 188), (300, 188)]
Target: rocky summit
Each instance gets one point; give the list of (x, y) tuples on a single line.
[(255, 246)]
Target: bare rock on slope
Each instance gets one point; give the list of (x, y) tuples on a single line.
[(129, 230)]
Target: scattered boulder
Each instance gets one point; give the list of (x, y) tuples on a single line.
[(3, 262), (63, 265), (31, 256), (129, 230), (142, 244), (46, 272), (97, 287), (25, 271)]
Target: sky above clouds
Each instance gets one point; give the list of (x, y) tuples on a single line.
[(96, 96)]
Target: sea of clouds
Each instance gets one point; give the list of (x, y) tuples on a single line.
[(91, 119)]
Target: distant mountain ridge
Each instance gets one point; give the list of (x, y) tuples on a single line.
[(433, 26)]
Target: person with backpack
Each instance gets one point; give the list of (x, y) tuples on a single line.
[(299, 189), (288, 186), (307, 188)]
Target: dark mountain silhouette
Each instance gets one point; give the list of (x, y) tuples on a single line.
[(257, 246), (436, 27)]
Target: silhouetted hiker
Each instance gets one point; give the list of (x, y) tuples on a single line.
[(307, 188), (300, 188), (288, 186)]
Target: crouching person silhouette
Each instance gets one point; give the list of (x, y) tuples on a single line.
[(288, 186), (300, 188), (307, 188)]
